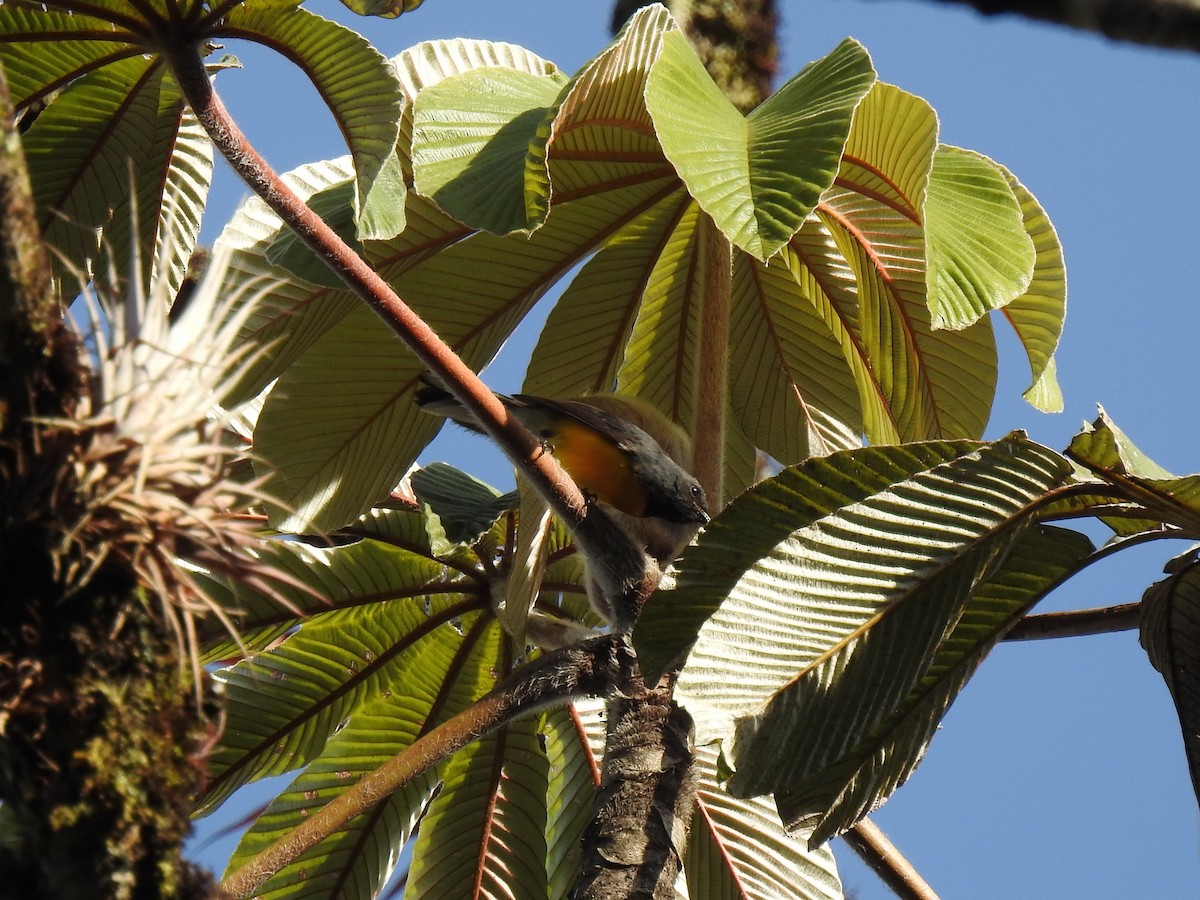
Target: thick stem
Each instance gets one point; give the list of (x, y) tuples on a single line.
[(1077, 623), (95, 711), (713, 380), (874, 848), (633, 845), (586, 669), (596, 533)]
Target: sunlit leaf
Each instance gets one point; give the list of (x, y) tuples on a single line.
[(283, 703), (804, 560), (89, 152), (1038, 315), (757, 176), (361, 90), (835, 798), (1153, 497), (738, 850), (485, 833), (471, 136), (385, 9), (442, 672), (979, 254)]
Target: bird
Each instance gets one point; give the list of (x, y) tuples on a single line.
[(621, 452)]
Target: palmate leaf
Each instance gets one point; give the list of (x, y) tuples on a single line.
[(757, 176), (1150, 497), (385, 9), (460, 508), (57, 47), (440, 675), (615, 193), (359, 87), (411, 640), (1170, 633), (1037, 315), (484, 834), (738, 850), (979, 255), (571, 786), (792, 392), (98, 153), (88, 154), (835, 798), (471, 136), (816, 601), (861, 260), (357, 859), (284, 701)]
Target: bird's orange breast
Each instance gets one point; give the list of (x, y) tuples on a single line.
[(597, 465)]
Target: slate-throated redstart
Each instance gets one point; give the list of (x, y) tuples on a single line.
[(609, 457)]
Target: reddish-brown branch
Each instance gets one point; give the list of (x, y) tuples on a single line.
[(586, 669), (874, 848), (1077, 623), (597, 534), (712, 381)]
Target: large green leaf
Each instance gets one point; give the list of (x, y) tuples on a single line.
[(757, 176), (471, 136), (385, 9), (1171, 635), (361, 90), (485, 833), (602, 136), (460, 508), (283, 703), (898, 591), (827, 561), (979, 255), (441, 674), (570, 793), (358, 381), (834, 798), (861, 260), (738, 850), (792, 392), (1153, 498), (56, 47), (291, 313), (1037, 315), (168, 202), (90, 151), (586, 339)]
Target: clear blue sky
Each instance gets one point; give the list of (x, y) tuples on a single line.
[(1060, 772)]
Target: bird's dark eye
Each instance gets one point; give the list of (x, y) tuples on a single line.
[(697, 492)]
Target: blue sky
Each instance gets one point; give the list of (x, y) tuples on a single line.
[(1059, 773)]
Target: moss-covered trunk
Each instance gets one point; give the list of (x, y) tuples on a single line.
[(96, 714)]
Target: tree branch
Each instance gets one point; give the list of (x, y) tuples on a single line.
[(1077, 623), (633, 843), (589, 668), (1174, 24), (874, 848), (598, 536), (712, 385)]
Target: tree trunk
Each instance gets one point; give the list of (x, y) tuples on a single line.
[(95, 709)]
